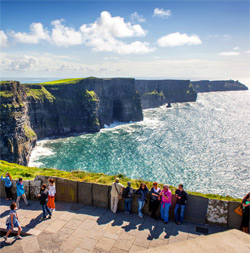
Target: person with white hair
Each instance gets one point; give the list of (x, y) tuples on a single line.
[(116, 194)]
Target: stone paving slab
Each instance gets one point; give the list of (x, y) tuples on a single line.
[(81, 228)]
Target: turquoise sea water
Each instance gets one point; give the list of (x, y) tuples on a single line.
[(204, 145)]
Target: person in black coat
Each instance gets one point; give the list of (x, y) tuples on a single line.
[(128, 196), (142, 194), (245, 215), (44, 200), (154, 200)]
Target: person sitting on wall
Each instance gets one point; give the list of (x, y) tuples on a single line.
[(182, 197), (245, 215), (116, 194), (154, 200), (142, 194), (128, 196)]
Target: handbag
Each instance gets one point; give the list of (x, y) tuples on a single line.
[(239, 210), (119, 194)]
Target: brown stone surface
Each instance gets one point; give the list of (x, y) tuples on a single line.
[(85, 193), (100, 195), (66, 190), (35, 187)]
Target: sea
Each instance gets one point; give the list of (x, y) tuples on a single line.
[(204, 144)]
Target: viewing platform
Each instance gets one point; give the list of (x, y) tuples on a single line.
[(82, 228)]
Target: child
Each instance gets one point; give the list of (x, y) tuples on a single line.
[(51, 197), (21, 192), (44, 200), (8, 185), (12, 222)]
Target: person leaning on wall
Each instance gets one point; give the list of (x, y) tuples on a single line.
[(116, 194), (182, 197)]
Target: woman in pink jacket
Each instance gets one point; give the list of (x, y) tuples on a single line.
[(165, 203)]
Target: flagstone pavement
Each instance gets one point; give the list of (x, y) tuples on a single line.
[(78, 228)]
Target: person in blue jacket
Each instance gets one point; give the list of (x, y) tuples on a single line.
[(21, 193), (8, 185), (142, 194)]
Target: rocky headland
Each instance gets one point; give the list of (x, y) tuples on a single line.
[(221, 85)]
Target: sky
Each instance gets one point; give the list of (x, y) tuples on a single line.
[(143, 39)]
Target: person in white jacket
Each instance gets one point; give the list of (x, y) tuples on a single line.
[(116, 190)]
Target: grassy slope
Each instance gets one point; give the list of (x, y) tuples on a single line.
[(29, 173)]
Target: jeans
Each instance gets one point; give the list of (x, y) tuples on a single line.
[(165, 211), (176, 215), (45, 208), (141, 205), (128, 202)]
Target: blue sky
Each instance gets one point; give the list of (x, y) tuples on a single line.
[(142, 39)]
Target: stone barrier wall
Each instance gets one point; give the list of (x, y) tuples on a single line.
[(198, 210)]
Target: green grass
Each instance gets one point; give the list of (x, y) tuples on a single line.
[(90, 95), (6, 94), (29, 132), (29, 173), (39, 94), (62, 81), (154, 93)]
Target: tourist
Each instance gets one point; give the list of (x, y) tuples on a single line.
[(13, 221), (128, 196), (8, 185), (51, 197), (154, 200), (21, 192), (166, 196), (182, 197), (245, 215), (116, 194), (142, 194), (44, 193)]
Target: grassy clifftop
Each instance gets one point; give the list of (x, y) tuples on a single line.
[(29, 173)]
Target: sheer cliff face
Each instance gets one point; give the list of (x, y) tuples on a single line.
[(209, 86), (17, 137), (174, 91), (34, 111)]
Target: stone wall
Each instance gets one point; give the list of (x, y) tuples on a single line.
[(199, 210)]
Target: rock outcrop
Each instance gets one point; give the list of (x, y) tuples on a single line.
[(17, 138), (222, 85), (174, 91), (152, 99)]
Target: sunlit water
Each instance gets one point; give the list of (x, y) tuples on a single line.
[(205, 145)]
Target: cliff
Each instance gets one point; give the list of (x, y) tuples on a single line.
[(152, 99), (35, 111), (17, 138), (174, 91), (222, 85)]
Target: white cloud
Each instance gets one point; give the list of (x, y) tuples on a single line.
[(229, 53), (161, 13), (236, 48), (135, 17), (3, 40), (178, 39), (65, 36), (37, 33), (103, 35), (248, 51)]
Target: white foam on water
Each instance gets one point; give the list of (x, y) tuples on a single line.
[(39, 151)]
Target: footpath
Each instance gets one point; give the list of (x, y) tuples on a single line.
[(80, 228)]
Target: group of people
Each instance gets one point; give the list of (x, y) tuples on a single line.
[(158, 197), (46, 197)]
